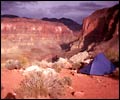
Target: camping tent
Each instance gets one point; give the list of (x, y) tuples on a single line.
[(99, 66)]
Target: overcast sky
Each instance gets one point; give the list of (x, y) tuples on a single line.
[(75, 10)]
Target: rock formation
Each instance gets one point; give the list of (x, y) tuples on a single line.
[(45, 29), (38, 39), (100, 30)]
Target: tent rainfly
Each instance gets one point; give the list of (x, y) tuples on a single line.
[(99, 66)]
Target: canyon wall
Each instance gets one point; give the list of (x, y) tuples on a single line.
[(100, 31), (45, 29)]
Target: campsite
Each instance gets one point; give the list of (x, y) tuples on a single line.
[(84, 83), (60, 50)]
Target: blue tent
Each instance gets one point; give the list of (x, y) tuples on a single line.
[(99, 66)]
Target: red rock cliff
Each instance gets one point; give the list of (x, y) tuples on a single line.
[(101, 29), (53, 30)]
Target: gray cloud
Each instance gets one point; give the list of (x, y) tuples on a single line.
[(80, 9), (91, 4), (8, 5), (75, 10)]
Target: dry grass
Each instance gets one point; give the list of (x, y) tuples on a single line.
[(115, 74), (24, 61), (32, 86), (15, 61), (36, 85), (57, 67), (112, 54)]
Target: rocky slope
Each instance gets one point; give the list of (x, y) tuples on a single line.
[(100, 31)]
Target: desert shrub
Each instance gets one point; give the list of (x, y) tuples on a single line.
[(112, 55), (32, 86), (24, 61), (57, 89), (57, 67), (44, 64), (76, 66), (67, 80), (61, 63), (36, 85), (115, 74), (13, 64)]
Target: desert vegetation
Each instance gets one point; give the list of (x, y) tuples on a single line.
[(47, 56), (37, 84)]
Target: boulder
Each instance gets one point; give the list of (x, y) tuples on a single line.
[(80, 57)]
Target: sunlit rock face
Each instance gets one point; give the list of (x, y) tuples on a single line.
[(45, 29), (34, 38), (101, 30)]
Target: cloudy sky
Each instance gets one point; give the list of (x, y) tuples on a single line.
[(75, 10)]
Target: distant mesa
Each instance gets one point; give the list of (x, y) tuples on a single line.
[(74, 26), (9, 16), (50, 19)]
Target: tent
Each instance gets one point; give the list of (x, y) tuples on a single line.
[(99, 66)]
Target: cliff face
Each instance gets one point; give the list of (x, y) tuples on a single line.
[(45, 29), (33, 38), (101, 30)]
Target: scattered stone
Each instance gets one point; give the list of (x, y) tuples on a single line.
[(79, 93), (64, 63), (13, 64), (10, 96), (73, 93), (80, 57)]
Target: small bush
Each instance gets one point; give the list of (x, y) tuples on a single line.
[(13, 64), (67, 80), (37, 85), (76, 66), (24, 61), (57, 67), (32, 86), (57, 89), (112, 55), (115, 74)]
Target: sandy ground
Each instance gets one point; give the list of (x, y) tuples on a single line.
[(83, 86), (10, 80), (92, 87)]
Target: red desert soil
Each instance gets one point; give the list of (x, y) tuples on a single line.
[(84, 86), (10, 80), (96, 87)]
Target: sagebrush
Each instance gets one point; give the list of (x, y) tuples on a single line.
[(36, 85)]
